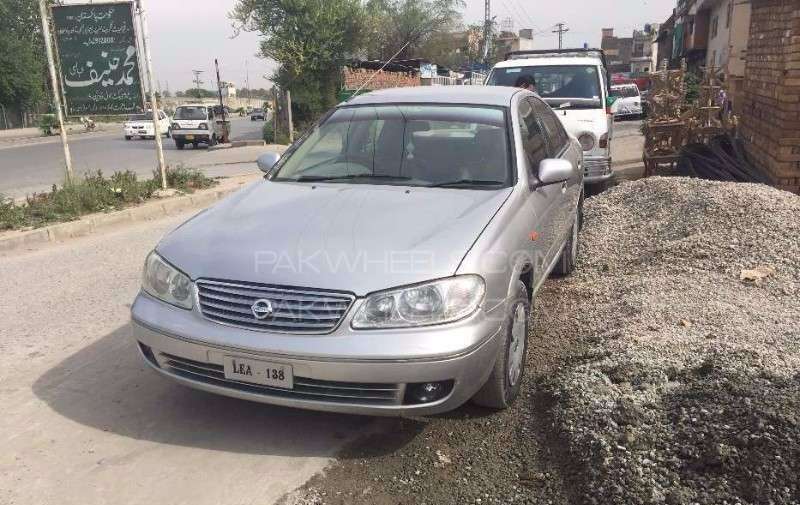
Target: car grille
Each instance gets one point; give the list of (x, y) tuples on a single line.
[(293, 311), (596, 167), (304, 388)]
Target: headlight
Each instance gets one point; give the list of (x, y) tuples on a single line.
[(176, 126), (203, 126), (436, 302), (587, 141), (166, 283)]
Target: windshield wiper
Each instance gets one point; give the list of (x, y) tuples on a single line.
[(466, 182), (321, 178)]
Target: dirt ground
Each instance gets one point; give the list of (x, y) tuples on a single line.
[(666, 369)]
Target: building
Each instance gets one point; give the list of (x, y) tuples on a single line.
[(662, 53), (510, 41), (770, 112), (618, 50), (228, 90), (642, 53)]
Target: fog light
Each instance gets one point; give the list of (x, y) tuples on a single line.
[(427, 392)]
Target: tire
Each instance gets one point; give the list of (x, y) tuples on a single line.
[(128, 137), (500, 390), (179, 145), (569, 256)]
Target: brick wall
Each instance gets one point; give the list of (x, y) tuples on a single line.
[(355, 77), (770, 115)]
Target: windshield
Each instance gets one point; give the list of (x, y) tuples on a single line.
[(410, 145), (625, 92), (570, 86), (191, 113), (139, 117), (257, 111)]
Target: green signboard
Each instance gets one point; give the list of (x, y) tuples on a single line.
[(99, 60)]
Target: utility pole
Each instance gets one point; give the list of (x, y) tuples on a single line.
[(48, 44), (487, 30), (162, 167), (562, 29), (197, 81), (247, 80)]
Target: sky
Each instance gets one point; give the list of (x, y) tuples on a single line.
[(188, 34)]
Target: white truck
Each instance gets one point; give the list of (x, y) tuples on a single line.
[(141, 125), (196, 124), (575, 83)]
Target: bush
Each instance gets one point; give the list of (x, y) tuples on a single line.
[(47, 123), (94, 193), (184, 179), (268, 133)]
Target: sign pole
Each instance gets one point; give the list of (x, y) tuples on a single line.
[(153, 97), (54, 81)]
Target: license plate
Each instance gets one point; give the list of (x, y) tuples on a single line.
[(259, 372), (190, 137)]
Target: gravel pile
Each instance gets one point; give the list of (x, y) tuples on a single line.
[(688, 388), (666, 369)]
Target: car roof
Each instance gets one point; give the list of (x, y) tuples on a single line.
[(470, 95), (194, 105), (541, 61)]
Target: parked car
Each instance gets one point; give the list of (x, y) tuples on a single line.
[(141, 125), (628, 101), (575, 83), (257, 114), (386, 264), (195, 124)]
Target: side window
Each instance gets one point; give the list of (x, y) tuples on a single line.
[(533, 141), (554, 131)]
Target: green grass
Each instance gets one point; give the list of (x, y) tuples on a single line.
[(94, 193)]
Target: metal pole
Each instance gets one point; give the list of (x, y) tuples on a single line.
[(48, 45), (162, 167), (289, 115)]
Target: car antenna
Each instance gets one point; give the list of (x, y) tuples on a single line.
[(377, 72)]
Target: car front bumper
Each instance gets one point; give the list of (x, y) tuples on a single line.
[(351, 380), (629, 112), (194, 135), (597, 169)]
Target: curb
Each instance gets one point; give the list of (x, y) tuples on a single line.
[(96, 222), (238, 143)]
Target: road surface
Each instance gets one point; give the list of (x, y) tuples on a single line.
[(36, 165), (85, 423)]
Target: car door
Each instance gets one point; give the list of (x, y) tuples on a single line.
[(543, 200), (560, 146)]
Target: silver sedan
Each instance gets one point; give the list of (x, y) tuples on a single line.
[(386, 264)]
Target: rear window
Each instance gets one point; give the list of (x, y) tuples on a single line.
[(191, 113), (139, 117), (625, 92), (557, 84)]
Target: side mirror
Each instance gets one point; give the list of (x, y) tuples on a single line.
[(552, 171), (266, 161)]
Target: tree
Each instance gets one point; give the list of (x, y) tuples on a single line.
[(393, 23), (310, 40), (22, 65)]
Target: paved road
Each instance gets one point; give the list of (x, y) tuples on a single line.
[(85, 423), (29, 167)]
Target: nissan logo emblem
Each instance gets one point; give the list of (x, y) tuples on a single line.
[(262, 309)]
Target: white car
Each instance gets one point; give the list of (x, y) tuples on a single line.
[(628, 103), (574, 82), (196, 124), (141, 125)]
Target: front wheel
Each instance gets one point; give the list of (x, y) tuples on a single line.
[(128, 137), (505, 381)]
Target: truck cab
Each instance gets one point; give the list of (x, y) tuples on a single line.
[(575, 83), (196, 124)]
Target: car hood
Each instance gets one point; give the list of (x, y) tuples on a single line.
[(348, 237)]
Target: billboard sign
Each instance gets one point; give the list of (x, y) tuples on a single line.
[(98, 57)]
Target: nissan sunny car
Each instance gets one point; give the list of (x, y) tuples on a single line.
[(385, 265)]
